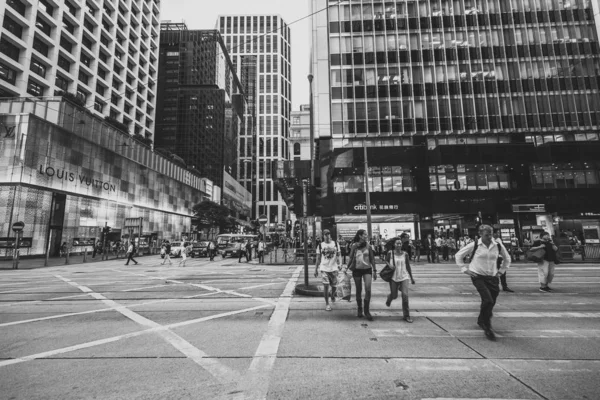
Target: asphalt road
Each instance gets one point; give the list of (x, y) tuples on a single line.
[(225, 330)]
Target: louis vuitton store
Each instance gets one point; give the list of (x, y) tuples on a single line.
[(66, 174)]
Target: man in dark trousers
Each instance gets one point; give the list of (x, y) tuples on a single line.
[(483, 270), (248, 250), (502, 276), (130, 253), (429, 246)]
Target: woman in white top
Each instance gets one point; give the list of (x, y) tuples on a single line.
[(398, 260)]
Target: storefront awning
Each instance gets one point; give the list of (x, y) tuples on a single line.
[(376, 218)]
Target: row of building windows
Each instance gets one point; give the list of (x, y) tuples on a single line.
[(472, 177), (437, 8), (253, 24)]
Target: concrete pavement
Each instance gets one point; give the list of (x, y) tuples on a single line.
[(232, 330)]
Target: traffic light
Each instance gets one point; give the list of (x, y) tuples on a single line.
[(106, 229), (288, 225)]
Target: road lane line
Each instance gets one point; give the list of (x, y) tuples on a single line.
[(99, 342), (255, 383), (257, 286), (143, 288), (504, 314), (221, 372), (102, 309)]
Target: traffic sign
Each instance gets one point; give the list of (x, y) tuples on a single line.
[(18, 226), (263, 219)]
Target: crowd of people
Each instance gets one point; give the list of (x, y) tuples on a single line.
[(485, 259)]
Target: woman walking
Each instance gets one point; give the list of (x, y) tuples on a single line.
[(362, 265), (398, 260)]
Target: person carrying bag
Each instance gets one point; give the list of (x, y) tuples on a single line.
[(362, 265)]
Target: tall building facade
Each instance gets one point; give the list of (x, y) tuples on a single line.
[(467, 108), (263, 40), (201, 105), (105, 54)]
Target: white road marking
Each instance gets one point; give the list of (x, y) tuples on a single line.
[(31, 288), (529, 333), (42, 301), (255, 383), (223, 373), (125, 336), (257, 286), (501, 314), (101, 310), (143, 288)]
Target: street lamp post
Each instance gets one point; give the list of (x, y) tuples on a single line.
[(368, 197), (312, 154)]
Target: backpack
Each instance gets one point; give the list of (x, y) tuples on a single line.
[(498, 261)]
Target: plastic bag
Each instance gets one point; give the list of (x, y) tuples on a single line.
[(344, 288)]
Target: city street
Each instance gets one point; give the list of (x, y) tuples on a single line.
[(225, 330)]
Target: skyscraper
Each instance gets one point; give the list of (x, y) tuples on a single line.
[(264, 40), (103, 53), (461, 104), (200, 104)]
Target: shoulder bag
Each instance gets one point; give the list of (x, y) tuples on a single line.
[(387, 272), (536, 255)]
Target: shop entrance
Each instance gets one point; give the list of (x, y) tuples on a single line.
[(57, 218)]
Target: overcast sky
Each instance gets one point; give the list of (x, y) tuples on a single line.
[(202, 14)]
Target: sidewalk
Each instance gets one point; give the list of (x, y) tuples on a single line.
[(34, 263)]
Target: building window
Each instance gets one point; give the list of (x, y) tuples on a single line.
[(69, 27), (381, 179), (41, 47), (297, 149), (64, 63), (10, 25), (8, 74), (34, 88), (43, 25), (17, 5), (9, 49), (565, 175), (469, 177), (38, 68)]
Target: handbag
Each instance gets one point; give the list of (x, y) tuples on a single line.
[(352, 261), (536, 255), (387, 272)]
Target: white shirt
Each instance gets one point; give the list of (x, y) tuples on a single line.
[(329, 253), (485, 258), (261, 246)]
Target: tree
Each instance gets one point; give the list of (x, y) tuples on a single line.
[(212, 216)]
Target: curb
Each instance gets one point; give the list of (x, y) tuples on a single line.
[(310, 290)]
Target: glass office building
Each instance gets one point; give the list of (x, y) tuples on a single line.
[(466, 106), (66, 174), (260, 49), (201, 104)]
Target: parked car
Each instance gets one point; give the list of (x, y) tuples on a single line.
[(200, 249), (233, 249), (176, 248)]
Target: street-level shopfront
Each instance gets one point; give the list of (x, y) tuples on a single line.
[(68, 177)]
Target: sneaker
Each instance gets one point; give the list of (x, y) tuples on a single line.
[(332, 298), (545, 289), (388, 302), (549, 289), (509, 290), (408, 319), (328, 308)]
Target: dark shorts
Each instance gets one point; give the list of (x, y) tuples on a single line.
[(358, 273)]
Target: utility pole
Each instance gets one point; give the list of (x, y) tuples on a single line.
[(304, 228), (368, 197), (312, 157)]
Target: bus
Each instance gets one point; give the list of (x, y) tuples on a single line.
[(230, 244)]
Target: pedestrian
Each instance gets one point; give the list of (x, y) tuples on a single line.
[(451, 243), (502, 276), (185, 252), (167, 253), (461, 243), (483, 270), (417, 243), (95, 247), (261, 252), (362, 265), (328, 262), (242, 251), (429, 246), (444, 247), (406, 247), (548, 263), (399, 261), (130, 253), (514, 247), (211, 250), (248, 250)]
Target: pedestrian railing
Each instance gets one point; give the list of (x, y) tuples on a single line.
[(567, 253), (289, 256)]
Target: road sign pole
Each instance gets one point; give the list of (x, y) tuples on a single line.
[(17, 228)]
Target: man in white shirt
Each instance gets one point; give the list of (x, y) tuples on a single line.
[(328, 261), (261, 252), (483, 270)]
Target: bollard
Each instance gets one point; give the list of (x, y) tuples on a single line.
[(67, 257), (16, 264), (85, 254)]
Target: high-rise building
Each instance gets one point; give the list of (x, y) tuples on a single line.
[(200, 105), (104, 54), (263, 41), (468, 109)]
